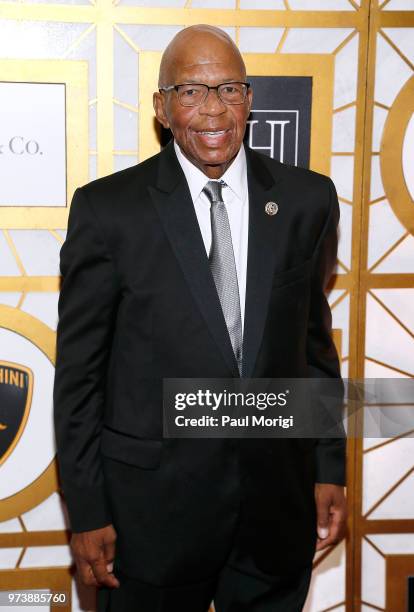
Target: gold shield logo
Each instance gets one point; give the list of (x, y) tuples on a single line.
[(16, 384)]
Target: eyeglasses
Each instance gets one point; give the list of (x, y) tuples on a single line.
[(195, 94)]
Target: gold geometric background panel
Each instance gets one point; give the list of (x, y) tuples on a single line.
[(391, 156)]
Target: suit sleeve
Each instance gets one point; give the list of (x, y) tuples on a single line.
[(323, 362), (87, 310)]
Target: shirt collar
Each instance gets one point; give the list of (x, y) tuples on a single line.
[(235, 176)]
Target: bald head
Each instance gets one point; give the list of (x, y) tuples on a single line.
[(198, 44)]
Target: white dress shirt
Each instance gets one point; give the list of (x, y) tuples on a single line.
[(236, 199)]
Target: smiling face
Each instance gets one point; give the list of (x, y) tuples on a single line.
[(209, 135)]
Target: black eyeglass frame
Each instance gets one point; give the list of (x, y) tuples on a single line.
[(216, 87)]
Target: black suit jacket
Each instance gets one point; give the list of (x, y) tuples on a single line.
[(138, 304)]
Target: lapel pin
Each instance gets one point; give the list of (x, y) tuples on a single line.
[(271, 208)]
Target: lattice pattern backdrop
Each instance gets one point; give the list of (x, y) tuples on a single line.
[(101, 49)]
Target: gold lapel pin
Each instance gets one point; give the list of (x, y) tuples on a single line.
[(271, 208)]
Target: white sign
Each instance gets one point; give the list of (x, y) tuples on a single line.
[(32, 144)]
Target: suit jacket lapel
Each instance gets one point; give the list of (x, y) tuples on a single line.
[(263, 236), (175, 208)]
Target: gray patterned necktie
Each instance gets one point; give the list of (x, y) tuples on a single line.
[(223, 266)]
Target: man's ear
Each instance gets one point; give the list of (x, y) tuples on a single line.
[(158, 101)]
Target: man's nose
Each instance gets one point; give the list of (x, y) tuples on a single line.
[(212, 104)]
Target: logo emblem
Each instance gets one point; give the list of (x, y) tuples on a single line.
[(271, 208), (275, 132), (16, 384)]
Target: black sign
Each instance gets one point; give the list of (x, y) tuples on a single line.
[(410, 607), (280, 122), (14, 391)]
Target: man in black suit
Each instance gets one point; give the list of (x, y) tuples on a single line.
[(207, 260)]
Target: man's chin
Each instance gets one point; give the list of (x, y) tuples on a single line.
[(224, 159), (211, 162), (215, 170)]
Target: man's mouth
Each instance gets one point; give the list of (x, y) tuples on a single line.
[(211, 132)]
